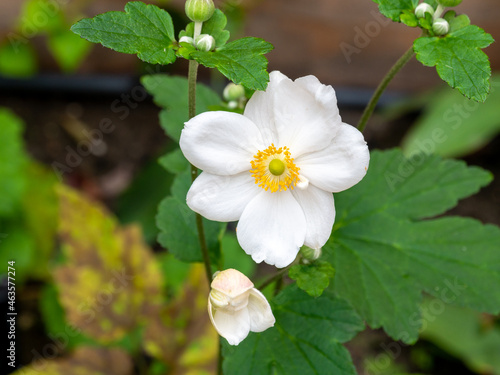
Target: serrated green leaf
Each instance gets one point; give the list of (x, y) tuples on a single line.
[(454, 126), (393, 8), (214, 27), (459, 60), (241, 61), (459, 22), (177, 224), (384, 258), (171, 93), (145, 30), (306, 338), (313, 278)]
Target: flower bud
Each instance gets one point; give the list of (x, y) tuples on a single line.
[(310, 255), (449, 3), (440, 26), (199, 10), (235, 307), (186, 39), (422, 9), (205, 42), (233, 92)]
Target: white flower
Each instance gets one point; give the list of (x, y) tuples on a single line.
[(236, 307), (290, 136)]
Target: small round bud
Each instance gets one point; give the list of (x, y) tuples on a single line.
[(440, 26), (310, 255), (199, 10), (449, 3), (186, 39), (422, 9), (205, 42), (233, 92)]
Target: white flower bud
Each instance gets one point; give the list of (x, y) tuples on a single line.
[(205, 42), (200, 10), (235, 307), (440, 26), (233, 92), (186, 39), (422, 9)]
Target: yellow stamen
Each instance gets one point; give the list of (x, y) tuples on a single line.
[(274, 169)]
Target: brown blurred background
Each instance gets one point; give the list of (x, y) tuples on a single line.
[(310, 37)]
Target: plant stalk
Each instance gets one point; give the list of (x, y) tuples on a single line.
[(367, 113), (192, 76)]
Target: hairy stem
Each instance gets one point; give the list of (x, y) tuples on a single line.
[(367, 113), (192, 75)]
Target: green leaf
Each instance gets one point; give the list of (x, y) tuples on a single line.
[(17, 60), (68, 50), (409, 19), (214, 27), (40, 17), (306, 338), (171, 93), (385, 257), (235, 257), (459, 60), (139, 203), (313, 278), (454, 126), (177, 224), (13, 162), (145, 30), (476, 342), (174, 161), (241, 61), (394, 8)]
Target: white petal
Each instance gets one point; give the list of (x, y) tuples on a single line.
[(306, 115), (221, 143), (272, 228), (261, 315), (340, 165), (319, 210), (222, 198), (233, 326), (260, 108)]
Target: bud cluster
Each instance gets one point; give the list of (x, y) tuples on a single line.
[(440, 26)]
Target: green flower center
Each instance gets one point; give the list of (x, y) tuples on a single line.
[(277, 167)]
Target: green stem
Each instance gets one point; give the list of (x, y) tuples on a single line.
[(367, 113), (277, 276), (192, 75), (219, 362)]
